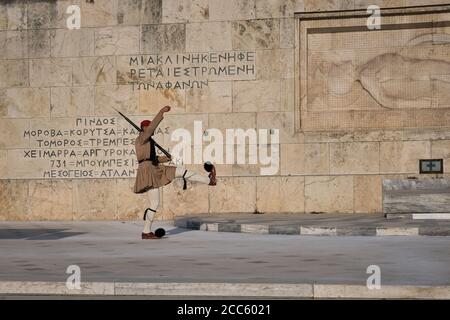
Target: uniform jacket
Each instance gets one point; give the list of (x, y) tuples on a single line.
[(148, 175)]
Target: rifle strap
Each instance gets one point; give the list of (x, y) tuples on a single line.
[(152, 150)]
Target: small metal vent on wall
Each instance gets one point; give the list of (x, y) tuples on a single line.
[(431, 166)]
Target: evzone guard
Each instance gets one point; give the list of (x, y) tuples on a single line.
[(152, 174)]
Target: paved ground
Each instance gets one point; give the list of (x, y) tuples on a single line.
[(317, 224), (113, 252)]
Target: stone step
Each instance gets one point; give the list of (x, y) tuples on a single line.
[(410, 196), (420, 216)]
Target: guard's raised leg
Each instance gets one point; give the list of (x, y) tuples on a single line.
[(196, 177)]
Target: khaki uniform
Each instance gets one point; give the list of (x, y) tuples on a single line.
[(150, 176)]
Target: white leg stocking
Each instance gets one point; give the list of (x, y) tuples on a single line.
[(153, 198), (191, 176)]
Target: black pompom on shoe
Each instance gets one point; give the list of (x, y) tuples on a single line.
[(160, 232), (208, 166)]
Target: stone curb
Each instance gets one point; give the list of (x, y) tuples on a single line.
[(313, 230), (55, 288), (385, 292), (268, 290), (216, 289)]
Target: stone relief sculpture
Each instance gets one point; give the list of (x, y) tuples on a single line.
[(388, 79), (393, 80)]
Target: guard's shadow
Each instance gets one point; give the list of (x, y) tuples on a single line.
[(36, 234), (177, 230)]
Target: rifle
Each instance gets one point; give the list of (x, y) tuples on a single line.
[(140, 130)]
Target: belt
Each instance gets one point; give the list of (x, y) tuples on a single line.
[(140, 161)]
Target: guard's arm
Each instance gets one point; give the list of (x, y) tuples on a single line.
[(150, 130)]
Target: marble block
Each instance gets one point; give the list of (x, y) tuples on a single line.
[(72, 43), (131, 206), (3, 163), (151, 101), (11, 133), (94, 70), (231, 10), (117, 41), (208, 36), (179, 202), (26, 102), (95, 200), (215, 98), (237, 194), (14, 73), (119, 97), (51, 72), (276, 8), (71, 101), (14, 44), (16, 15), (179, 11), (99, 13), (163, 38), (329, 194), (256, 34), (13, 199), (135, 12), (57, 207), (367, 193)]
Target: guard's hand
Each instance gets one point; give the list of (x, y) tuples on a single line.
[(166, 109)]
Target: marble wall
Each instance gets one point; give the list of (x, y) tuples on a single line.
[(352, 109), (395, 77)]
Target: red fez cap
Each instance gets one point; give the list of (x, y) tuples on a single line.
[(145, 123)]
